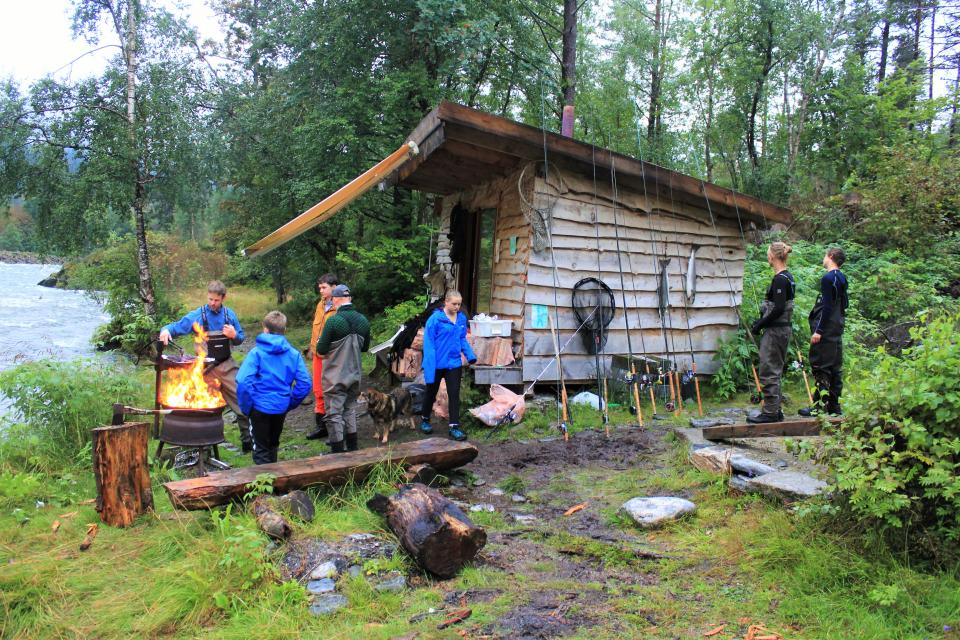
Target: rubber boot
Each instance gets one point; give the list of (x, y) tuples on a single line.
[(765, 418), (351, 440), (337, 447), (321, 430)]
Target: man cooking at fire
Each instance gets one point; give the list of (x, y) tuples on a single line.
[(223, 329)]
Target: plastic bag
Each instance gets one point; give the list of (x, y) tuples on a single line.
[(504, 405)]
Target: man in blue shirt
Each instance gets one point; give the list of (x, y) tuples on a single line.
[(223, 330)]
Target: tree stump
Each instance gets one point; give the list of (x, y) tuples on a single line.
[(433, 530), (122, 472)]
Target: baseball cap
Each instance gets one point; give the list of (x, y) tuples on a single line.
[(341, 291)]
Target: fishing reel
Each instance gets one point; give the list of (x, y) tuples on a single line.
[(687, 377)]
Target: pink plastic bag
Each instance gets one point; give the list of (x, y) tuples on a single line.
[(504, 405)]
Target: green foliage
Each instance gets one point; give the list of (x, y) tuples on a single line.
[(261, 485), (56, 404), (386, 324), (895, 461), (513, 484), (243, 560)]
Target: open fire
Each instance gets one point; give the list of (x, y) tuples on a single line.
[(185, 387)]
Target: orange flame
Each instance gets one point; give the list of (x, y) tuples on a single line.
[(185, 388)]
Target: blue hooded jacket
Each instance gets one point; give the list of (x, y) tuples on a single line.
[(443, 342), (215, 322), (273, 378)]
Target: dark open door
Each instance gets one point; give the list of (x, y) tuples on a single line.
[(476, 267)]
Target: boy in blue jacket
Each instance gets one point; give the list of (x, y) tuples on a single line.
[(272, 380)]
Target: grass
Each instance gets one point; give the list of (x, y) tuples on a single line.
[(176, 574), (249, 303)]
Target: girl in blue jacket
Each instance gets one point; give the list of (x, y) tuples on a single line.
[(272, 380), (444, 340)]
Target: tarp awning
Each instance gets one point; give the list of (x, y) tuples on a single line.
[(333, 203)]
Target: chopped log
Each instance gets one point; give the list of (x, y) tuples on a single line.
[(122, 472), (269, 519), (790, 428), (434, 531), (420, 473), (221, 487)]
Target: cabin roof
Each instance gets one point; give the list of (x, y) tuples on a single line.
[(461, 147)]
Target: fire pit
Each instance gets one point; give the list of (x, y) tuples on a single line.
[(196, 406)]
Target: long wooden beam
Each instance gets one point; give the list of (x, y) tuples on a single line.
[(223, 486), (333, 203), (790, 428)]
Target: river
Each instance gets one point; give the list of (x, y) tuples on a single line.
[(38, 322)]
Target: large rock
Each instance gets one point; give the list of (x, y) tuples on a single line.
[(749, 466), (788, 485), (654, 512), (711, 459)]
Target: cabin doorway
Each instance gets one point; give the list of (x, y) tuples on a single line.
[(475, 278)]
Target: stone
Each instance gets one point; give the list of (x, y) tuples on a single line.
[(781, 464), (749, 466), (483, 506), (495, 492), (328, 603), (740, 483), (549, 439), (479, 482), (326, 570), (518, 498), (360, 537), (711, 459), (326, 585), (354, 570), (298, 503), (524, 518), (788, 485), (396, 582), (703, 423), (653, 512)]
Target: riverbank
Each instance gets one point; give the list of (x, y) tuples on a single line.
[(27, 257)]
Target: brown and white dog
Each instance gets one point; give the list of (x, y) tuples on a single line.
[(387, 410)]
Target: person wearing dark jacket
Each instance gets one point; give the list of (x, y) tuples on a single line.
[(272, 380), (223, 330), (776, 314), (827, 319), (345, 336), (444, 345)]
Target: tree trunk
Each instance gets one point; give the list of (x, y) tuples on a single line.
[(145, 287), (655, 80), (122, 472), (757, 95), (568, 66), (433, 530), (884, 45), (952, 141), (933, 35), (708, 158)]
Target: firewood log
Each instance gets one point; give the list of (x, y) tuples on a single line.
[(122, 472), (433, 530)]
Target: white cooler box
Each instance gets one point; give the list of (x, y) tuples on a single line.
[(491, 328)]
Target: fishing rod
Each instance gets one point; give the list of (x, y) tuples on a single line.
[(602, 393), (623, 292), (686, 310)]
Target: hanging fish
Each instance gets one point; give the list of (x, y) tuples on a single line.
[(692, 275), (663, 287)]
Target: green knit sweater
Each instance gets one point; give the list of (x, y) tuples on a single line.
[(344, 322)]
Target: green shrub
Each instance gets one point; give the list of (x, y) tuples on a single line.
[(55, 405), (896, 461)]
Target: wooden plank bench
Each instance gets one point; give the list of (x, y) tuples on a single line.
[(789, 428), (223, 486)]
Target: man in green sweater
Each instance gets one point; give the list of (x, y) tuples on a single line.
[(345, 336)]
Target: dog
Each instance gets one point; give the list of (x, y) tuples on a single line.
[(387, 410)]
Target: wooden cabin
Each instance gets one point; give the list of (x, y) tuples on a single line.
[(524, 215), (543, 212)]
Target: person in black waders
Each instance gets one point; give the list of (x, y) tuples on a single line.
[(776, 313), (826, 335), (223, 329)]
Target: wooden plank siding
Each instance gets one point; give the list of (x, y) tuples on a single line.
[(650, 229)]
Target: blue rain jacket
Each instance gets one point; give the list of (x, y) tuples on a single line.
[(215, 322), (443, 342), (273, 378)]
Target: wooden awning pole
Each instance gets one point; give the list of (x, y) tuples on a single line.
[(331, 204)]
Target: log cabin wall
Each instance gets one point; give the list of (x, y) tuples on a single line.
[(670, 232), (509, 273)]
